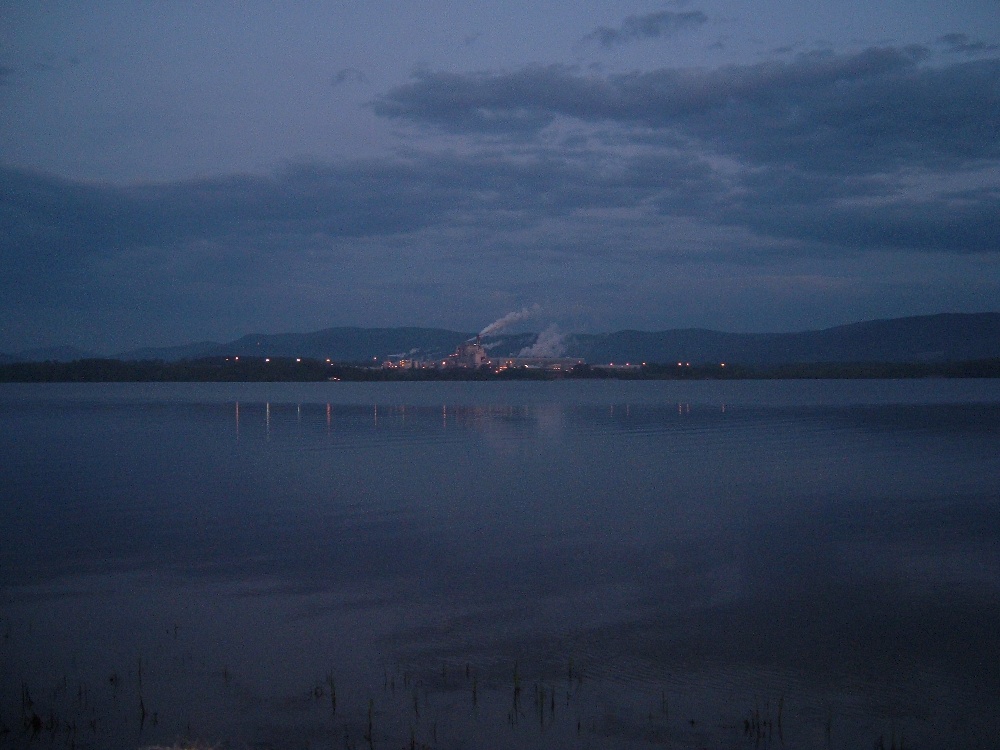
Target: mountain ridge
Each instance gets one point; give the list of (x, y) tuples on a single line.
[(924, 338)]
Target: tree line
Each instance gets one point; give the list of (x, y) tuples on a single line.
[(281, 369)]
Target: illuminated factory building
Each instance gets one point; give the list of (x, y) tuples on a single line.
[(472, 355)]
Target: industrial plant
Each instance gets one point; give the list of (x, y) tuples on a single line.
[(472, 355)]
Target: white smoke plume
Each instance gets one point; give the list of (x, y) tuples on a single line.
[(510, 319), (403, 355), (550, 343)]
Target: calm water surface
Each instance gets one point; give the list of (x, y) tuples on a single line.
[(489, 565)]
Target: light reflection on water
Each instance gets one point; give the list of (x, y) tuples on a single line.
[(668, 564)]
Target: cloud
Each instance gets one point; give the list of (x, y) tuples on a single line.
[(866, 112), (650, 26), (488, 211), (50, 226), (554, 185), (962, 44), (476, 102), (447, 239), (348, 75), (958, 223), (351, 199)]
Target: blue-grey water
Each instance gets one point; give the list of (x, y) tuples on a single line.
[(490, 565)]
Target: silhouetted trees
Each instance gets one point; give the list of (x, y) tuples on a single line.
[(287, 369)]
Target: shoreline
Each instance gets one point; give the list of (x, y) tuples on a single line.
[(302, 370)]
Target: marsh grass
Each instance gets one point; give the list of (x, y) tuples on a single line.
[(444, 705)]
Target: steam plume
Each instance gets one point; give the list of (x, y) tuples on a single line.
[(550, 343), (509, 319)]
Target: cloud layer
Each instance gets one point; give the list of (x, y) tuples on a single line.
[(871, 111), (650, 26), (858, 180)]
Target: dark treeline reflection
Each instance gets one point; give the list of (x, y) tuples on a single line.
[(691, 572)]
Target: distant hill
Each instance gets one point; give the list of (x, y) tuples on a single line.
[(351, 344), (360, 345), (926, 338), (48, 354), (948, 337), (173, 353)]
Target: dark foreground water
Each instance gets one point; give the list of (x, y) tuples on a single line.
[(489, 565)]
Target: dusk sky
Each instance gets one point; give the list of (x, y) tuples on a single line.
[(174, 172)]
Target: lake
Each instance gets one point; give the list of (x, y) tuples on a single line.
[(489, 565)]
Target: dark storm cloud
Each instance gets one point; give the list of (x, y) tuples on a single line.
[(876, 110), (650, 26)]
